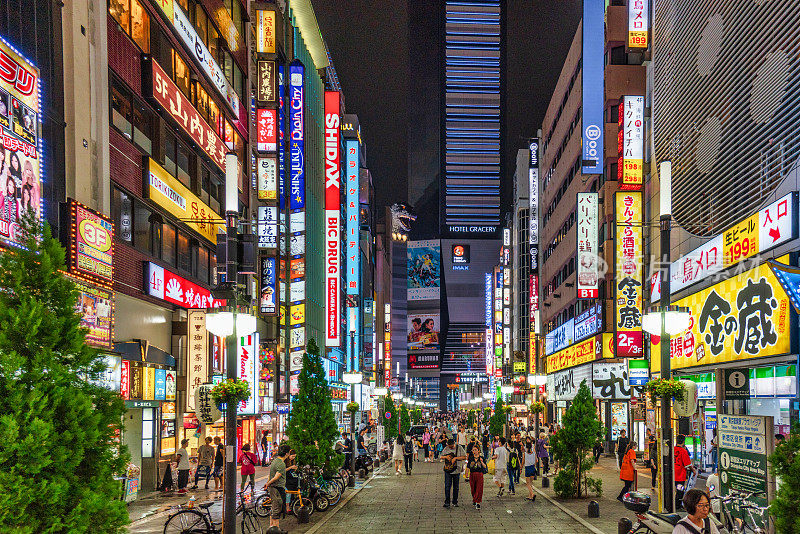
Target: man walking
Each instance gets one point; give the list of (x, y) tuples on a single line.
[(182, 458), (500, 463), (451, 455), (277, 487), (622, 446), (205, 459)]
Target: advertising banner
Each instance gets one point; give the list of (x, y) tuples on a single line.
[(267, 178), (267, 227), (166, 285), (565, 384), (265, 32), (589, 323), (769, 227), (267, 295), (281, 138), (588, 267), (20, 142), (266, 130), (297, 180), (610, 380), (265, 84), (423, 331), (332, 219), (95, 305), (352, 254), (169, 193), (424, 269), (196, 355), (593, 85), (630, 143), (629, 251), (164, 91), (560, 337), (533, 197), (533, 303), (745, 316), (91, 249), (638, 23), (248, 370), (423, 360), (583, 352)]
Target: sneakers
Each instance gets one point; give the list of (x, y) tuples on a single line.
[(455, 505), (511, 492), (500, 492), (182, 490), (446, 505), (477, 506)]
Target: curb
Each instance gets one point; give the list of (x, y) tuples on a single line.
[(347, 499), (570, 513)]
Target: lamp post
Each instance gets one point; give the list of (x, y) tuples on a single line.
[(352, 377)]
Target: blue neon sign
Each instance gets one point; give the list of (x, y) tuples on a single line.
[(592, 92), (297, 191)]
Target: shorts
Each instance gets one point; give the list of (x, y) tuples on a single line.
[(276, 496), (218, 471), (530, 470), (499, 474)]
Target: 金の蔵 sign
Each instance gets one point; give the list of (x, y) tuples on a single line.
[(629, 245)]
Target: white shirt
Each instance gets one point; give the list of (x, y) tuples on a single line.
[(183, 463), (462, 438), (502, 457), (680, 529), (712, 484), (530, 459)]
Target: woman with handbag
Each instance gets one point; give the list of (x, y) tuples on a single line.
[(627, 471), (477, 468)]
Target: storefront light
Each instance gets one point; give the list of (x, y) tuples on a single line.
[(352, 377), (220, 323), (676, 320), (380, 391)]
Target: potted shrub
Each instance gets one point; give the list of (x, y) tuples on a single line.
[(665, 388), (230, 390)]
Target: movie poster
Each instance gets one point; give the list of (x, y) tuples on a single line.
[(424, 269), (423, 331)]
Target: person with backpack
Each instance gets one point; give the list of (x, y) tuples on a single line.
[(512, 467), (249, 462), (408, 453), (542, 453), (682, 462), (697, 522)]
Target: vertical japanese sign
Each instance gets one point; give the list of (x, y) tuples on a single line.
[(533, 201), (630, 143), (497, 292), (297, 185), (332, 223), (267, 178), (267, 301), (281, 139), (352, 226), (533, 292), (638, 23), (265, 90), (628, 274), (265, 32), (489, 355), (266, 130), (588, 248), (593, 85), (248, 371), (197, 355), (267, 227)]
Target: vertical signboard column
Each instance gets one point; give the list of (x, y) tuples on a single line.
[(332, 224), (353, 255), (588, 259), (628, 248), (533, 242), (630, 143), (593, 85)]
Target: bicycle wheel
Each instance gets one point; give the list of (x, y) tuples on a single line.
[(306, 502), (263, 505), (187, 522), (321, 502), (250, 523)]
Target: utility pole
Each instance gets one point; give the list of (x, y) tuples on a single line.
[(667, 464)]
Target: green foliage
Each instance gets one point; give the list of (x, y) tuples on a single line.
[(564, 484), (572, 445), (416, 415), (391, 424), (595, 485), (59, 454), (785, 463), (230, 390), (498, 419), (312, 427), (405, 419), (664, 388), (487, 413), (352, 407), (470, 418)]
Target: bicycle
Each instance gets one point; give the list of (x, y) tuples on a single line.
[(740, 525), (192, 521), (299, 499)]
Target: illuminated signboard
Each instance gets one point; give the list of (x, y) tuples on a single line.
[(265, 32), (588, 249), (498, 319), (332, 222), (196, 355), (91, 247), (489, 355), (593, 85), (265, 82), (266, 130), (267, 227), (297, 185), (353, 214), (533, 200), (769, 227), (630, 143), (170, 287), (629, 249), (164, 91), (638, 23), (583, 352), (169, 193), (560, 337), (267, 178), (195, 46), (95, 305), (267, 294), (533, 302), (460, 255), (248, 370), (589, 322), (20, 142), (281, 139)]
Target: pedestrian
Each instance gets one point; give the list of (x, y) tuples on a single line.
[(264, 447), (714, 449), (682, 463), (477, 468), (543, 453), (712, 485), (597, 450), (205, 461), (219, 463), (500, 458), (622, 446), (248, 461), (697, 505), (627, 471), (652, 452), (426, 444), (348, 450), (512, 467), (277, 487), (485, 444), (182, 458), (451, 455), (408, 453), (397, 453), (462, 436), (529, 455)]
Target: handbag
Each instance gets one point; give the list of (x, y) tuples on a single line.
[(490, 466)]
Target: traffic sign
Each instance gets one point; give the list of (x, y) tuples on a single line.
[(737, 384)]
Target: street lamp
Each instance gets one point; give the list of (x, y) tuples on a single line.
[(397, 396), (676, 319), (352, 377), (380, 391), (221, 322), (506, 389)]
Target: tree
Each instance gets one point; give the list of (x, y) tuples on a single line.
[(471, 418), (416, 415), (312, 427), (405, 419), (571, 446), (58, 430), (498, 419), (785, 463), (391, 423)]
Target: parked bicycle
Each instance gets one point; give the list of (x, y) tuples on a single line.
[(749, 513), (198, 520), (306, 495)]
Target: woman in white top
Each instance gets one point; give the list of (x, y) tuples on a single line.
[(397, 453), (697, 505), (530, 468)]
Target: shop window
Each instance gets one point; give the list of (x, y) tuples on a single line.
[(141, 227), (170, 154), (168, 244), (148, 424), (142, 127), (163, 52), (184, 258), (121, 109), (133, 19), (213, 40), (194, 256), (122, 215), (181, 74), (227, 66)]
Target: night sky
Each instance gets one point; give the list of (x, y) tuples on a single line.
[(368, 40)]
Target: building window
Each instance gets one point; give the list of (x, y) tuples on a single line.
[(168, 244), (184, 170), (200, 22), (122, 215), (170, 156), (142, 127), (202, 264), (141, 228), (133, 19), (181, 74), (121, 109), (184, 259)]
